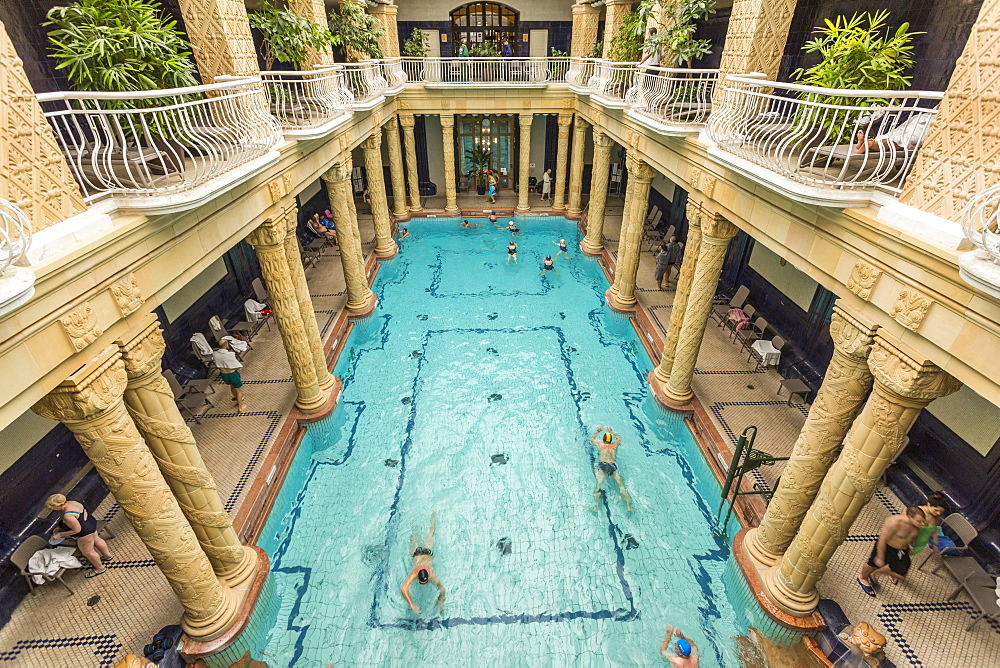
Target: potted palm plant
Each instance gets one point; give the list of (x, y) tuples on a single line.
[(287, 37), (479, 164)]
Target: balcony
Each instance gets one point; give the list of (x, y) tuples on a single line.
[(671, 101), (980, 268), (167, 150), (308, 104), (366, 82), (819, 145), (485, 72), (395, 77), (610, 82)]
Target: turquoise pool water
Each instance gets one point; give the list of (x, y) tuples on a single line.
[(465, 358)]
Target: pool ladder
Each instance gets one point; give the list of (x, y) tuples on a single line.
[(745, 460)]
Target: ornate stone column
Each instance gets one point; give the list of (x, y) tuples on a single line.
[(575, 209), (523, 167), (315, 11), (37, 165), (151, 405), (621, 295), (219, 31), (614, 16), (659, 376), (389, 40), (385, 247), (585, 20), (903, 387), (562, 162), (755, 40), (448, 144), (360, 298), (309, 325), (593, 243), (410, 147), (269, 242), (399, 209), (716, 232), (90, 404), (845, 386), (957, 161)]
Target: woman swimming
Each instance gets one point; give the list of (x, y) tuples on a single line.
[(562, 247), (512, 252), (466, 223), (512, 228), (493, 217), (548, 265)]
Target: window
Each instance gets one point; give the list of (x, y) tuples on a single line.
[(485, 23)]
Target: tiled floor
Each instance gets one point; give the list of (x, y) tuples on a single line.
[(54, 629)]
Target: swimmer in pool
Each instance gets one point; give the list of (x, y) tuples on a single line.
[(548, 265), (512, 227), (686, 651), (563, 249), (423, 567), (512, 252), (493, 217), (402, 234), (607, 467), (466, 223)]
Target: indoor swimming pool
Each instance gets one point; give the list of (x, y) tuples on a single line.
[(472, 391)]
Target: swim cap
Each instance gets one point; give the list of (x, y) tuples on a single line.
[(422, 576), (683, 647), (608, 437), (548, 257)]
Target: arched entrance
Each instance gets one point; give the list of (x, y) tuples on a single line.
[(485, 22)]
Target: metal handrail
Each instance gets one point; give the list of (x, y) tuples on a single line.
[(307, 99), (674, 96)]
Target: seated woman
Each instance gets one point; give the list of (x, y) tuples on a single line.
[(317, 227), (907, 136)]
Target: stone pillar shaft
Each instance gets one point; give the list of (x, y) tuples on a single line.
[(575, 208), (845, 386), (716, 232), (640, 175), (219, 31), (450, 182), (957, 161), (151, 405), (315, 11), (268, 241), (661, 374), (90, 404), (615, 11), (523, 167), (384, 245), (37, 165), (593, 243), (399, 209), (562, 162), (360, 298), (389, 39), (311, 328), (410, 148), (903, 387), (585, 21)]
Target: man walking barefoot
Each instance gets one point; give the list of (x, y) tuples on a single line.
[(891, 553)]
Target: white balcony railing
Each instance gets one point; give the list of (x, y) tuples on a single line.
[(366, 82), (479, 72), (579, 73), (392, 71), (611, 81), (160, 142), (307, 101), (843, 139), (673, 97)]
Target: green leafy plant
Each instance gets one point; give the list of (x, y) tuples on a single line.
[(416, 45), (119, 46), (626, 45), (287, 36), (676, 38), (560, 67), (356, 31), (596, 50), (485, 49), (479, 160)]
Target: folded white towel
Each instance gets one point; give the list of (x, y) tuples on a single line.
[(252, 308), (200, 344), (44, 564), (236, 344)]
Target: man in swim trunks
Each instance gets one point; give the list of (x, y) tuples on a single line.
[(686, 651), (402, 234), (423, 568), (466, 223), (891, 552), (607, 467)]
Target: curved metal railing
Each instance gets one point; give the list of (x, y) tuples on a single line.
[(15, 235), (309, 99), (611, 81), (473, 72), (981, 222), (365, 81), (673, 96), (163, 141)]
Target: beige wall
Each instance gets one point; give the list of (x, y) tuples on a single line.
[(19, 436), (189, 294), (974, 419), (530, 10), (793, 283)]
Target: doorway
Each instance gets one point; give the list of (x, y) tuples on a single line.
[(485, 23), (486, 132)]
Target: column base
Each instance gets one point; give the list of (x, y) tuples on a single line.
[(204, 630), (794, 603), (242, 573), (312, 405), (387, 252), (416, 209), (558, 207), (808, 624), (331, 403), (400, 216), (677, 398), (589, 249), (616, 303), (364, 309), (327, 382), (522, 209), (452, 208), (762, 557), (658, 387), (194, 647), (574, 214)]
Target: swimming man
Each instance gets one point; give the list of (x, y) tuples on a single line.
[(423, 567), (687, 651), (607, 446), (466, 223), (402, 234)]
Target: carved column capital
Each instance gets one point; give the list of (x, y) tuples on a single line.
[(268, 233), (580, 125), (341, 171), (693, 213), (639, 170), (407, 120), (716, 229), (564, 121), (602, 139), (88, 392), (525, 121), (373, 142), (142, 349), (850, 335), (447, 120), (919, 381)]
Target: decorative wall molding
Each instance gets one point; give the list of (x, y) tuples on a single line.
[(127, 294), (81, 326), (863, 279), (910, 308)]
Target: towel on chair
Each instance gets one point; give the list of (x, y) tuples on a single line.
[(44, 564), (236, 344), (255, 310), (200, 344)]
